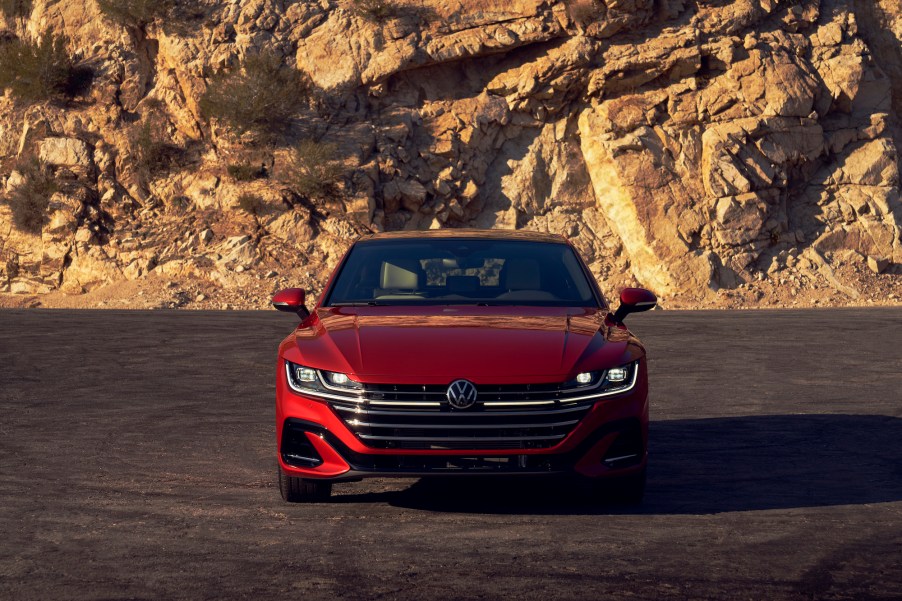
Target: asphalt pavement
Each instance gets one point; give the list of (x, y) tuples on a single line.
[(137, 461)]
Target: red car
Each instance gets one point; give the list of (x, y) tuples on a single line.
[(461, 352)]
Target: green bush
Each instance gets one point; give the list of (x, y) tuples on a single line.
[(153, 152), (40, 70), (250, 203), (260, 96), (243, 172), (30, 200), (376, 10), (314, 169)]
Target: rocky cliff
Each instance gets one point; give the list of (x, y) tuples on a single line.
[(718, 152)]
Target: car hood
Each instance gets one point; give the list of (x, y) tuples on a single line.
[(438, 344)]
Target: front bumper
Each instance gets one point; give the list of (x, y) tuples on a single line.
[(611, 439)]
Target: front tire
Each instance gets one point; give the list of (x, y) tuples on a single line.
[(302, 490)]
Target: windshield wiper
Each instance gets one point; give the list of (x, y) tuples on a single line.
[(361, 304)]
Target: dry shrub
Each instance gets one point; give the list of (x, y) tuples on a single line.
[(314, 169), (172, 14), (244, 172), (40, 70), (152, 150), (30, 200), (250, 203), (180, 204), (376, 10), (260, 96), (16, 9), (135, 13), (583, 12)]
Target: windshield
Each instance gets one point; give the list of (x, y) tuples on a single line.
[(461, 271)]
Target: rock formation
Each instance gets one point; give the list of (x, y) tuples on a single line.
[(705, 149)]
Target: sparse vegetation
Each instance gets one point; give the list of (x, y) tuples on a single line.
[(40, 70), (250, 203), (376, 10), (243, 172), (30, 199), (16, 9), (136, 13), (583, 12), (178, 16), (153, 151), (314, 169), (260, 96), (180, 204)]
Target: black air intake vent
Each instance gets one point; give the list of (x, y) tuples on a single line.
[(296, 448)]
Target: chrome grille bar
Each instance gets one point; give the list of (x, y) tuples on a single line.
[(493, 426), (474, 439), (462, 414), (490, 390)]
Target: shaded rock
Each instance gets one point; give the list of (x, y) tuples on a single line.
[(878, 264)]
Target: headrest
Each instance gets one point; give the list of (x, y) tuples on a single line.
[(522, 274), (400, 274)]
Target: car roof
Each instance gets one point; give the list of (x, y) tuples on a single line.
[(464, 233)]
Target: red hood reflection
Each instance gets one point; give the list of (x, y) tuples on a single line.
[(437, 344)]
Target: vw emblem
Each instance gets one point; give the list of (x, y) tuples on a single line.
[(461, 394)]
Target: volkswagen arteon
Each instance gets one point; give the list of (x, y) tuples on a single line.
[(461, 352)]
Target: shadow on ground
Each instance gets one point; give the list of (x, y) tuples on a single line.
[(707, 466)]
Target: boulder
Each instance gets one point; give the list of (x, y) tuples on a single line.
[(878, 264), (70, 152)]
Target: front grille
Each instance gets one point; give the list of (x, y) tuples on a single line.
[(504, 416), (465, 462), (523, 416)]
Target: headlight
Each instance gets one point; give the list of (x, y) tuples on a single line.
[(586, 379), (304, 374), (618, 374), (306, 379), (620, 377), (605, 379), (340, 380)]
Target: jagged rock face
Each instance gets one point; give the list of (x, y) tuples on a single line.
[(685, 146)]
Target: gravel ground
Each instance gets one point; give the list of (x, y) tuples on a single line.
[(137, 462)]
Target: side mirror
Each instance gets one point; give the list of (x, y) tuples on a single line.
[(634, 300), (291, 300)]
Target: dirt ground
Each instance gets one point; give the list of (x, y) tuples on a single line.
[(137, 462)]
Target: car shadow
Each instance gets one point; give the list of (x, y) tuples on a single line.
[(703, 466)]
